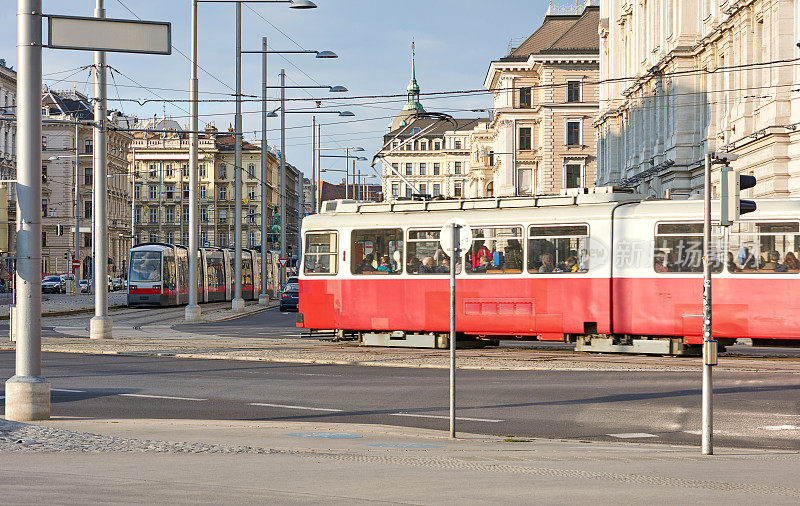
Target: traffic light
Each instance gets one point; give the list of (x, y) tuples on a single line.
[(731, 206), (59, 229)]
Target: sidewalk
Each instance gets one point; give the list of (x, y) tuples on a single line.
[(178, 461)]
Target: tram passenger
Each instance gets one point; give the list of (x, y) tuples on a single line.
[(413, 264), (512, 258), (479, 249), (773, 261), (571, 265), (658, 262), (366, 264), (790, 262), (427, 266), (445, 267), (484, 263), (385, 265), (547, 263), (732, 267)]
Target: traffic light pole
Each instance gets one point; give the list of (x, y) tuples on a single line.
[(77, 234), (263, 297), (192, 313), (237, 304)]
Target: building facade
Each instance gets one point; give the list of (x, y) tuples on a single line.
[(159, 165), (545, 100), (8, 166), (67, 164), (682, 78)]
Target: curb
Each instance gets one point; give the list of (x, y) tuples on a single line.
[(248, 313)]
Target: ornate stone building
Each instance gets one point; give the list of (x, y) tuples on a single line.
[(8, 165), (426, 156), (684, 77), (545, 100), (62, 141)]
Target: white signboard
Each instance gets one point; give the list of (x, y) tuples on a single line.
[(105, 34), (446, 236)]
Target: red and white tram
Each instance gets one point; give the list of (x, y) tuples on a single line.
[(609, 270), (159, 274)]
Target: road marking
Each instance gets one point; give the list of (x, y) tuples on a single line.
[(67, 390), (286, 406), (442, 417), (163, 397), (631, 435), (780, 427), (700, 432)]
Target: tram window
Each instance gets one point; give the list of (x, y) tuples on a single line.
[(679, 248), (321, 252), (145, 266), (558, 249), (495, 250), (425, 256), (169, 271), (764, 247), (377, 251)]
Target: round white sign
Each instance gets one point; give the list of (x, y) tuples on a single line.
[(464, 236)]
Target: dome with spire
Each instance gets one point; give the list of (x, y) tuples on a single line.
[(413, 103)]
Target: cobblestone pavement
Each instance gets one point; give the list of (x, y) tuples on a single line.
[(60, 302)]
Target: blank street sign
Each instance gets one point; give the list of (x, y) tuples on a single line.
[(105, 34)]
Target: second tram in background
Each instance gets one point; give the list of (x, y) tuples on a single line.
[(159, 274)]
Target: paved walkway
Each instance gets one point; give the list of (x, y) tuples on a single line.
[(180, 462), (64, 303)]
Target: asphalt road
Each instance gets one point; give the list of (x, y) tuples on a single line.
[(751, 409), (267, 323)]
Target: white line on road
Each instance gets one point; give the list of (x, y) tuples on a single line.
[(67, 390), (700, 432), (443, 417), (294, 407), (780, 427), (163, 397), (631, 435)]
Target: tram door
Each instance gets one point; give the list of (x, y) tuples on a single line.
[(229, 270), (247, 275), (182, 264)]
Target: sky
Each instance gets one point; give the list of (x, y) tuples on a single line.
[(456, 40)]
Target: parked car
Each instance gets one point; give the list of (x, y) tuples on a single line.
[(290, 297), (84, 285), (52, 284), (116, 284)]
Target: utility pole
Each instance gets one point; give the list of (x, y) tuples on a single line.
[(28, 392), (282, 186), (192, 311), (100, 326), (237, 304), (133, 194), (263, 297), (319, 166), (77, 234), (313, 163)]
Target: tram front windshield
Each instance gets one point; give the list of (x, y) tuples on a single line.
[(145, 266)]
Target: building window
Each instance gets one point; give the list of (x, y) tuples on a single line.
[(185, 214), (88, 147), (87, 177), (204, 214), (203, 238), (186, 191), (153, 192), (525, 97), (408, 191), (251, 239), (572, 175), (203, 191), (223, 192), (437, 169), (137, 192), (394, 145), (87, 209), (153, 215), (423, 189), (44, 174), (457, 189), (395, 190), (223, 216), (422, 169), (409, 170), (185, 170), (169, 215), (437, 189), (202, 170), (396, 168), (169, 191), (44, 208), (457, 144), (423, 146), (185, 238), (153, 172), (169, 237), (525, 138), (573, 133), (251, 215), (137, 215), (153, 237), (251, 192), (437, 146), (251, 171), (457, 168), (222, 239), (169, 170), (573, 91), (223, 171), (409, 145), (87, 241)]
